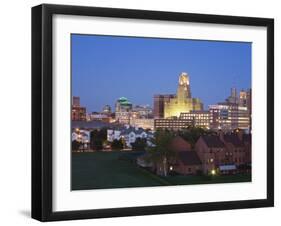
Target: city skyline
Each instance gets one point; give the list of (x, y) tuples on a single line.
[(105, 68)]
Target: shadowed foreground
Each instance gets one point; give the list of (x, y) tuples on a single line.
[(100, 170)]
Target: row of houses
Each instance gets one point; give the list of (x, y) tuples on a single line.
[(129, 134), (212, 154)]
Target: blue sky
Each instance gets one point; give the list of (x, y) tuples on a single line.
[(105, 68)]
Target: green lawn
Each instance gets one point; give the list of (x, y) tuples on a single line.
[(107, 170), (117, 169)]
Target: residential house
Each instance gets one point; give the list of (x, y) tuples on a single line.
[(247, 140), (212, 153), (129, 134), (82, 136), (185, 160), (235, 147), (187, 163), (224, 153)]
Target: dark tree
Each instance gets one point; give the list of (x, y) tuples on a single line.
[(99, 134), (192, 134), (117, 144), (97, 144), (75, 145), (160, 152), (139, 145), (97, 138)]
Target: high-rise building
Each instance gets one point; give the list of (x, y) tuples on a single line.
[(159, 102), (75, 101), (243, 98), (249, 106), (233, 98), (123, 110), (229, 116), (78, 113), (122, 104), (192, 118), (234, 113), (183, 102), (199, 118), (142, 111)]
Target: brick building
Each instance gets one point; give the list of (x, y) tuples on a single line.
[(211, 151), (186, 160), (224, 153), (78, 113)]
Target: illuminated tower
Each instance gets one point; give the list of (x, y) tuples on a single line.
[(183, 87), (182, 102)]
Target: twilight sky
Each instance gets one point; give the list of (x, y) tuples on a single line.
[(105, 68)]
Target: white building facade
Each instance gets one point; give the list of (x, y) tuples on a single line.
[(129, 134)]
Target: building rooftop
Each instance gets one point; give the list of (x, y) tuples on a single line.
[(213, 141), (124, 101), (179, 144), (189, 158), (233, 139), (130, 129)]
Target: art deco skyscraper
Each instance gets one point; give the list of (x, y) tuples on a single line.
[(183, 102), (183, 91)]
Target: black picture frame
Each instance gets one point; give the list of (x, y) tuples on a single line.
[(42, 111)]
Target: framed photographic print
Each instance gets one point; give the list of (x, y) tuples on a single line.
[(145, 112)]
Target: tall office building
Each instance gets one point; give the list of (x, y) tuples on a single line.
[(199, 118), (234, 113), (78, 113), (76, 101), (229, 116), (186, 119), (142, 111), (243, 98), (233, 98), (183, 101), (247, 97), (123, 110), (159, 102)]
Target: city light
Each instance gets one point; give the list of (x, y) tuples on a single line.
[(193, 128)]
